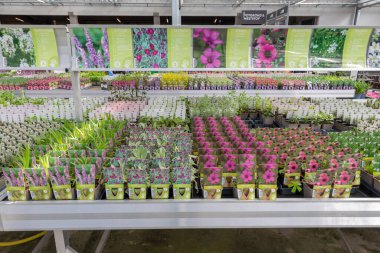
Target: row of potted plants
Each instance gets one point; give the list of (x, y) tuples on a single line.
[(63, 160), (303, 156), (155, 158)]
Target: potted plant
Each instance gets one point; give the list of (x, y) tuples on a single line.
[(360, 89), (114, 182), (60, 180)]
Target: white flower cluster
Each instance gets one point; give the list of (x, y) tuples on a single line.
[(26, 42), (7, 46), (373, 58), (332, 48)]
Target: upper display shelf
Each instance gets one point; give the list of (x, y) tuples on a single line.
[(165, 48)]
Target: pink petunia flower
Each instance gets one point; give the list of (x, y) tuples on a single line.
[(211, 38), (156, 66), (344, 177), (210, 58), (139, 57), (267, 53), (163, 55), (323, 179), (246, 176), (268, 176), (293, 167), (213, 178), (147, 51), (230, 165)]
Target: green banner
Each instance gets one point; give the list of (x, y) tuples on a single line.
[(355, 48), (297, 48), (238, 44), (120, 47), (45, 47), (179, 47)]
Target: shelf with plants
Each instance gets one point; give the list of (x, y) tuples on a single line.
[(21, 108), (367, 144)]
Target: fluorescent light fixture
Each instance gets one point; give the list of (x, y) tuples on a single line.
[(167, 20), (118, 20), (215, 20), (19, 19), (41, 1), (68, 19), (300, 2)]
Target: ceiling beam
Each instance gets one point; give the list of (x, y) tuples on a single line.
[(367, 4), (238, 3)]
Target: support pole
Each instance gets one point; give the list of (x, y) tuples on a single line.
[(356, 15), (238, 18), (156, 18), (176, 13), (60, 241), (75, 81)]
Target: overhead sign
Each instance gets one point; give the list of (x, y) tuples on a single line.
[(271, 15), (282, 11), (254, 17)]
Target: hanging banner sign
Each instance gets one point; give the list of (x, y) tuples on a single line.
[(45, 48), (179, 47), (297, 48), (254, 17), (237, 52), (28, 48), (355, 48), (120, 47)]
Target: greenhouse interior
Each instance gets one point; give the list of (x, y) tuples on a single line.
[(189, 126)]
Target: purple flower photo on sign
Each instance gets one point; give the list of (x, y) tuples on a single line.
[(209, 47), (150, 47), (91, 47)]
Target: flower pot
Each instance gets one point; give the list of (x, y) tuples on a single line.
[(268, 120), (359, 96), (86, 192), (159, 191), (327, 127), (40, 192), (341, 191), (292, 125), (303, 125), (318, 192), (267, 192), (182, 191), (114, 192), (212, 192), (376, 184), (137, 191), (17, 194), (63, 192), (367, 178), (316, 127), (245, 192)]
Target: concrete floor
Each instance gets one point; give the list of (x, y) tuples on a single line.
[(214, 241)]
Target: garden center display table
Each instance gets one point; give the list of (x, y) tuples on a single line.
[(61, 216)]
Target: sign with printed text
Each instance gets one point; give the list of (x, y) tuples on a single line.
[(179, 47), (120, 47), (254, 17), (237, 52)]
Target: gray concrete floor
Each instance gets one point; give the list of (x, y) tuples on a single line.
[(214, 241)]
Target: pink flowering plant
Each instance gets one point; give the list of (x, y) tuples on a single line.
[(344, 177), (245, 175), (14, 177), (36, 177), (150, 47), (113, 175), (212, 176), (209, 47), (268, 48), (85, 174), (59, 175)]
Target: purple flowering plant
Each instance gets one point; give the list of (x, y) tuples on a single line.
[(150, 47), (36, 177), (59, 175), (91, 47), (209, 47), (14, 177), (85, 174)]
